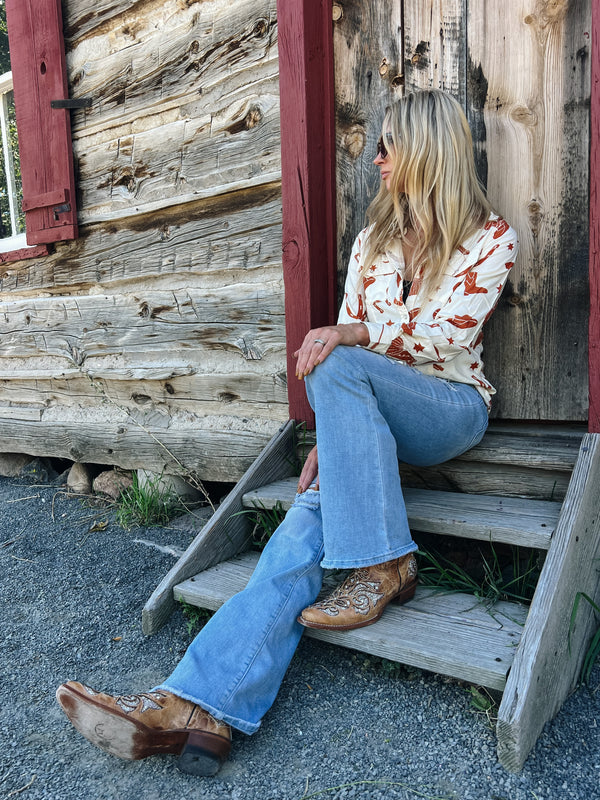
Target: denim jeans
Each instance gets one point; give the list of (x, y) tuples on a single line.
[(371, 411)]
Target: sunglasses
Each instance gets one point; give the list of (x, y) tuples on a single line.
[(381, 148)]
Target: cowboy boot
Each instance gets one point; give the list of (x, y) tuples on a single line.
[(141, 725), (361, 599)]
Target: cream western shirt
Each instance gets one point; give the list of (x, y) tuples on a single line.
[(439, 333)]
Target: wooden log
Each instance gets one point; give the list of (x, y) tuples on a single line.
[(240, 318), (367, 79), (483, 640), (80, 19), (210, 242), (153, 79), (214, 448), (225, 534), (242, 393), (551, 652)]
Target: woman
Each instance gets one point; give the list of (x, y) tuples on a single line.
[(399, 377)]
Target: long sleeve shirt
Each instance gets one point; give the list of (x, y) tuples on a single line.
[(438, 332)]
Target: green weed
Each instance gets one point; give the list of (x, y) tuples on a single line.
[(265, 522), (195, 617), (147, 504), (512, 578), (593, 650)]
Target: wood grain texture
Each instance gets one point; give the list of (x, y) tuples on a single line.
[(528, 68), (483, 641), (211, 242), (594, 326), (526, 523), (435, 45), (367, 79), (522, 72), (215, 448), (225, 534), (179, 175), (548, 662)]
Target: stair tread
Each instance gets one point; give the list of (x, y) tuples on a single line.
[(513, 520), (545, 447), (451, 633)]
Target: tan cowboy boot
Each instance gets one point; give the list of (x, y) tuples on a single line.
[(141, 725), (361, 599)]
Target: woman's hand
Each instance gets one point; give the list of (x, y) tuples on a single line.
[(319, 342), (310, 471)]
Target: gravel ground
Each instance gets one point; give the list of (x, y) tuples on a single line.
[(342, 727)]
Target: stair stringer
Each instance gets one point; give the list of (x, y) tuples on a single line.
[(548, 661), (227, 532)]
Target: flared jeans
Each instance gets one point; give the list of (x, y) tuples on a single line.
[(371, 411)]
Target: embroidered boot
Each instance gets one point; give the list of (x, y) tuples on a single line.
[(361, 599), (141, 725)]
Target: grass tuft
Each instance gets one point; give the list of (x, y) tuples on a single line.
[(195, 617), (147, 504)]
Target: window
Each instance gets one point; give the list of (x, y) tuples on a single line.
[(37, 184)]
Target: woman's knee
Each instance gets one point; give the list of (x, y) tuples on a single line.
[(339, 365)]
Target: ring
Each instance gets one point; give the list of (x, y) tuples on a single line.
[(319, 341)]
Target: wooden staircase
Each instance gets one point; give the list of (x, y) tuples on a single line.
[(536, 487)]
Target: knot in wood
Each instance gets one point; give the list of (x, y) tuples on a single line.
[(260, 28), (337, 12), (524, 116), (384, 67), (354, 141)]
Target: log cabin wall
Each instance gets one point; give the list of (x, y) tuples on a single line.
[(161, 329), (522, 71)]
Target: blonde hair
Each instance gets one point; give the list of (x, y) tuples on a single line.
[(434, 188)]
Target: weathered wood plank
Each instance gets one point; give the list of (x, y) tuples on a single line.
[(594, 251), (435, 46), (483, 640), (529, 523), (197, 82), (548, 662), (243, 318), (80, 17), (240, 392), (529, 86), (367, 79), (211, 242), (480, 477), (225, 534), (215, 448)]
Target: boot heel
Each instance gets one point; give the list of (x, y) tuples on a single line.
[(202, 754), (406, 593)]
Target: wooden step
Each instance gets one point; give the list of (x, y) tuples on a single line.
[(513, 520), (533, 460), (451, 633)]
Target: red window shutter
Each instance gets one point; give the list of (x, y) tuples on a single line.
[(37, 55)]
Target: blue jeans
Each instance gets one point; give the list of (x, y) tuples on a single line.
[(370, 411)]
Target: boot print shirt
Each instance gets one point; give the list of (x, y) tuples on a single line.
[(438, 333)]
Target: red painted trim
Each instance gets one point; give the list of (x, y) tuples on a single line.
[(25, 252), (37, 55), (305, 34), (594, 325)]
